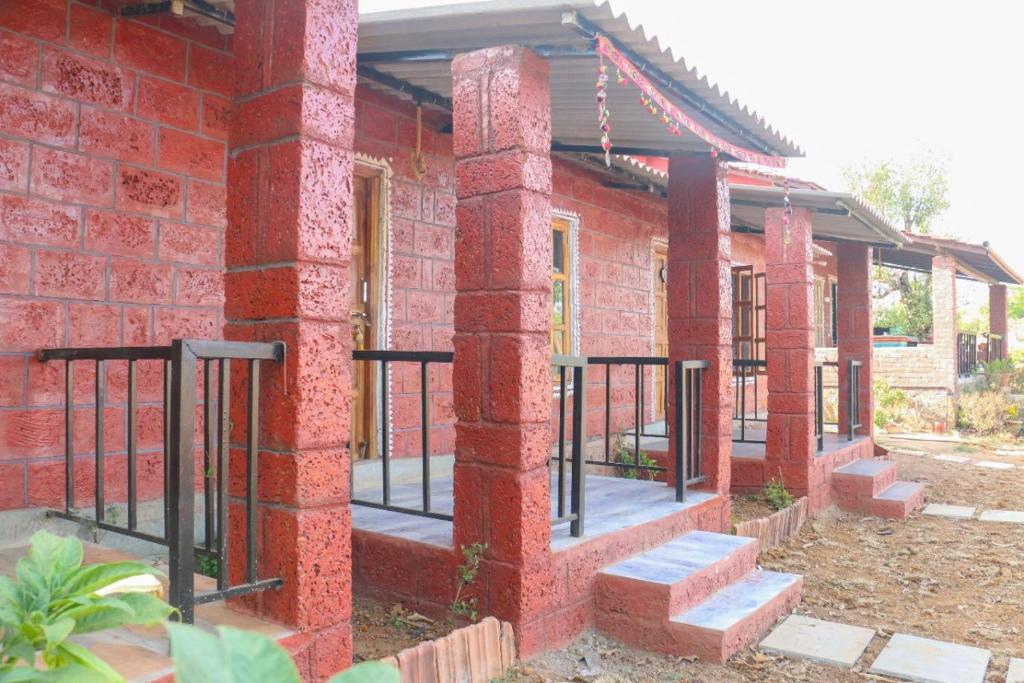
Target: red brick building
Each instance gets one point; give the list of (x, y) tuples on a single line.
[(426, 190)]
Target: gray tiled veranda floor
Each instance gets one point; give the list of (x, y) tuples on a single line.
[(755, 432), (611, 504)]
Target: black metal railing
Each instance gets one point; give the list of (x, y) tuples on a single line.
[(819, 406), (424, 359), (966, 353), (994, 348), (688, 395), (180, 361), (827, 400), (639, 364), (577, 476), (742, 369), (853, 417)]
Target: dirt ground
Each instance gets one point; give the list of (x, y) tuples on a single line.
[(961, 581), (383, 630)]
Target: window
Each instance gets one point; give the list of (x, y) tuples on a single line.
[(561, 325), (834, 308), (820, 316), (748, 313)]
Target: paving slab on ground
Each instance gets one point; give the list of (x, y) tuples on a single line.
[(924, 660), (819, 641), (992, 465), (1016, 672), (959, 459), (950, 511), (1009, 451), (908, 451), (1007, 516)]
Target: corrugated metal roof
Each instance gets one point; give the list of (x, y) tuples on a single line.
[(539, 24), (974, 261), (838, 216)]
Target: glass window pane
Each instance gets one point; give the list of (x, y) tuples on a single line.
[(558, 302), (557, 251)]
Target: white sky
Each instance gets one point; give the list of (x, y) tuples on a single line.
[(860, 82)]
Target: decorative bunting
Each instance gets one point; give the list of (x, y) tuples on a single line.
[(671, 115), (602, 111)]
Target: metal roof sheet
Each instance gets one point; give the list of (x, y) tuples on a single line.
[(838, 216), (539, 24), (974, 261)]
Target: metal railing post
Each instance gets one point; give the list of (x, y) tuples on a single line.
[(181, 534)]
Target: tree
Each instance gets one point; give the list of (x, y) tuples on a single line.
[(912, 194), (1015, 304)]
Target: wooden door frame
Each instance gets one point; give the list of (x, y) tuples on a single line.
[(381, 275), (658, 245)]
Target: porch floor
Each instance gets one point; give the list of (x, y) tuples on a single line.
[(756, 433), (612, 503)]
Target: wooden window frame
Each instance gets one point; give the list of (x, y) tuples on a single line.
[(563, 227)]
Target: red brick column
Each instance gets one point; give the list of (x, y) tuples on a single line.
[(855, 327), (502, 369), (789, 275), (288, 247), (998, 314), (699, 301), (944, 327)]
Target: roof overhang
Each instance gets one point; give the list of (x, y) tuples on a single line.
[(973, 261), (409, 51), (838, 216)]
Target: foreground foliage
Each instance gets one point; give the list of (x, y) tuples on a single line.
[(53, 597), (237, 656)]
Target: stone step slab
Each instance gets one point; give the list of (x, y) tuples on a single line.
[(863, 478), (736, 615), (949, 511), (817, 640), (958, 459), (646, 588), (993, 465), (898, 501), (1015, 674), (1004, 516), (924, 660)]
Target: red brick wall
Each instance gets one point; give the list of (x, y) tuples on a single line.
[(112, 162)]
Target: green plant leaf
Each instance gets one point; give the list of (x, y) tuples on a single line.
[(73, 654), (58, 631), (93, 577), (73, 673), (237, 656), (110, 612), (367, 672)]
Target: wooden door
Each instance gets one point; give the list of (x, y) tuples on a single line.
[(660, 327), (364, 312)]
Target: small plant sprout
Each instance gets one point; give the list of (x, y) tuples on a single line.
[(467, 575), (776, 495)]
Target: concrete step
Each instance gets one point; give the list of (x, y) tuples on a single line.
[(899, 500), (863, 478), (646, 588), (736, 615), (699, 594)]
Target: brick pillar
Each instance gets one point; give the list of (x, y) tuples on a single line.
[(998, 315), (855, 328), (944, 318), (287, 252), (502, 368), (699, 301), (789, 275)]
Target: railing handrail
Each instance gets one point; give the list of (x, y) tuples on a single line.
[(424, 358), (179, 408), (749, 363), (577, 494), (627, 360)]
